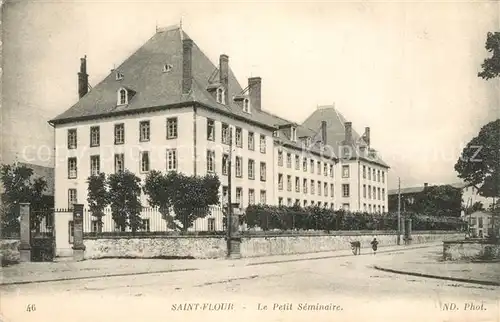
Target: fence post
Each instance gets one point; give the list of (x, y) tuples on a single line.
[(78, 246), (25, 233)]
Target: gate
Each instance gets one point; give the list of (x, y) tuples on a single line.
[(43, 243)]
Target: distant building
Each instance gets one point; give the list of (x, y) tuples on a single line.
[(480, 224)]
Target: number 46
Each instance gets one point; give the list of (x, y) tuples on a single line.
[(31, 308)]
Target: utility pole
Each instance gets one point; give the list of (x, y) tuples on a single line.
[(229, 189), (399, 211)]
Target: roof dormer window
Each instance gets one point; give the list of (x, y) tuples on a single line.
[(119, 76), (293, 134), (276, 134), (122, 97), (221, 95), (167, 68), (246, 105)]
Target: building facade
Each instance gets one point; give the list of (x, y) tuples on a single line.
[(169, 108)]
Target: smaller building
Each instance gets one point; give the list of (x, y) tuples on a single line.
[(481, 224)]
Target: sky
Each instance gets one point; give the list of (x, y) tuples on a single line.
[(407, 70)]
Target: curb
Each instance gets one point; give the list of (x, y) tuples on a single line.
[(98, 276), (464, 280), (336, 256)]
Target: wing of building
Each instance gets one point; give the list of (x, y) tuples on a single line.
[(168, 107)]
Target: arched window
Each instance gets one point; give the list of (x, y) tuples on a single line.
[(122, 96), (220, 96)]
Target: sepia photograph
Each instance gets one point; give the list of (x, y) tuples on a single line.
[(243, 161)]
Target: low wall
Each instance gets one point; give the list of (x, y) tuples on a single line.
[(158, 247), (456, 250), (9, 251), (283, 245), (251, 246)]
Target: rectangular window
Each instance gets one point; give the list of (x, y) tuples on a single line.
[(262, 144), (374, 177), (383, 194), (71, 231), (146, 225), (251, 169), (239, 196), (210, 130), (345, 190), (378, 193), (280, 158), (144, 131), (378, 175), (251, 141), (280, 181), (119, 162), (304, 185), (211, 224), (383, 177), (313, 187), (263, 197), (369, 174), (225, 164), (95, 137), (364, 191), (325, 189), (225, 195), (239, 137), (364, 172), (325, 170), (345, 171), (95, 165), (312, 166), (144, 161), (288, 160), (72, 169), (72, 198), (289, 183), (331, 190), (289, 202), (172, 128), (297, 184), (297, 162), (369, 192), (119, 133), (239, 166), (319, 188), (304, 164), (346, 206), (225, 133), (331, 170), (251, 197), (210, 161), (171, 159), (72, 139), (94, 226), (262, 171), (319, 167), (374, 193)]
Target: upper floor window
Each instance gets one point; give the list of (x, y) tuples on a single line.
[(251, 169), (280, 158), (312, 166), (72, 170), (263, 197), (144, 131), (210, 161), (297, 184), (374, 177), (378, 175), (288, 160), (246, 105), (345, 190), (210, 130), (72, 138), (239, 137), (331, 190), (304, 185), (239, 167), (251, 196), (280, 181), (331, 170), (369, 173), (119, 133), (325, 169), (262, 171), (145, 161), (289, 183), (319, 167), (172, 128), (325, 189), (171, 159), (72, 198), (225, 163), (95, 165), (118, 76), (251, 141), (95, 136), (319, 188), (119, 162), (304, 164), (293, 134), (262, 143), (221, 95), (122, 96), (225, 133), (345, 171), (312, 187), (383, 177), (297, 162)]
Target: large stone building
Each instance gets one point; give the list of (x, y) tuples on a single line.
[(168, 107)]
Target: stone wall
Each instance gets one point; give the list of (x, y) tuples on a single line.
[(470, 250), (283, 245), (159, 247), (9, 251), (215, 246)]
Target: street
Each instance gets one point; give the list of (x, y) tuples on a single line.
[(343, 288)]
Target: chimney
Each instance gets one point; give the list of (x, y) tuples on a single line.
[(224, 75), (323, 132), (254, 91), (83, 78), (187, 66), (348, 132), (367, 136)]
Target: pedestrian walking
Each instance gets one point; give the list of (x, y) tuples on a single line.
[(374, 245)]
